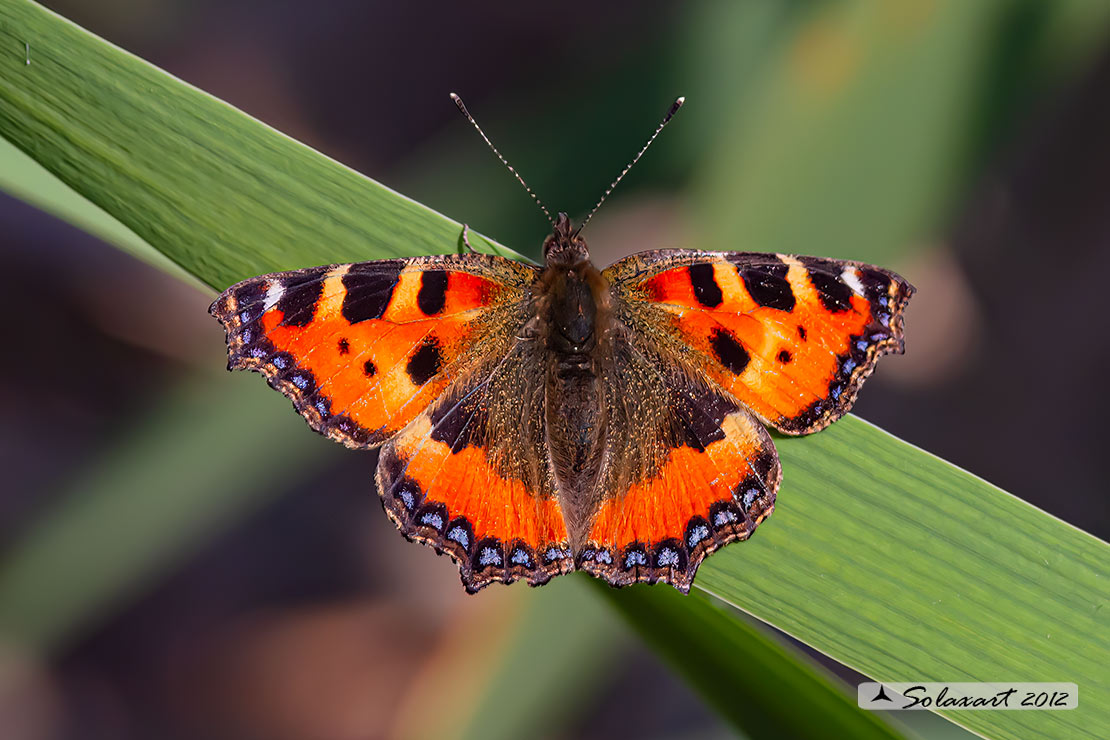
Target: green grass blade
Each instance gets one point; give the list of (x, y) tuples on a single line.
[(884, 557), (899, 564), (26, 179), (217, 192), (749, 678)]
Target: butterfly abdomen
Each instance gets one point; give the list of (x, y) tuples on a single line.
[(575, 305)]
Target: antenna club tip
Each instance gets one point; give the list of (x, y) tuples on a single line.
[(453, 96), (678, 101)]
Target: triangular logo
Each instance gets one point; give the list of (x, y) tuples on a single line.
[(881, 695)]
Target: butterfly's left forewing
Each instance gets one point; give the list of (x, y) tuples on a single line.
[(791, 338)]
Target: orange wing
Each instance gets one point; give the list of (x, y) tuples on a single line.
[(791, 338), (688, 471), (425, 355), (471, 476), (362, 349)]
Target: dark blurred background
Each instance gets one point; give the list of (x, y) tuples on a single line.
[(962, 144)]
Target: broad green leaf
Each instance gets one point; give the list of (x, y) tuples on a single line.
[(880, 555)]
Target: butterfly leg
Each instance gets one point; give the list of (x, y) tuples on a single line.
[(465, 242)]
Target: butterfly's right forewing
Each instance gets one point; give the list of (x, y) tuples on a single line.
[(362, 349)]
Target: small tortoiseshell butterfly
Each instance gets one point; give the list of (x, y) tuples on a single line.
[(539, 420)]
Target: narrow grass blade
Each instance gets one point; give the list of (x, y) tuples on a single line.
[(905, 567), (761, 687), (215, 191)]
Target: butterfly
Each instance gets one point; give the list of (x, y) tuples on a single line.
[(536, 420)]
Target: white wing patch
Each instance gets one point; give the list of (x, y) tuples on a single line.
[(850, 276)]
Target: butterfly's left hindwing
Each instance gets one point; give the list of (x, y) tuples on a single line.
[(362, 349)]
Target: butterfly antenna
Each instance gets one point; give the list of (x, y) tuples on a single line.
[(670, 114), (465, 112)]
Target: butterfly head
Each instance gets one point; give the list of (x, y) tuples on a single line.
[(564, 248)]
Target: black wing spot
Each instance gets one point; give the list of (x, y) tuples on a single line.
[(824, 275), (802, 332), (369, 290), (768, 286), (433, 292), (426, 362), (344, 346), (730, 352), (785, 357), (699, 417), (705, 285), (459, 420), (298, 301), (369, 368), (876, 283), (247, 295)]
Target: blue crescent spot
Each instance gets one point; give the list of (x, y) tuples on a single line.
[(458, 534), (668, 557), (697, 534), (635, 558), (750, 497)]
